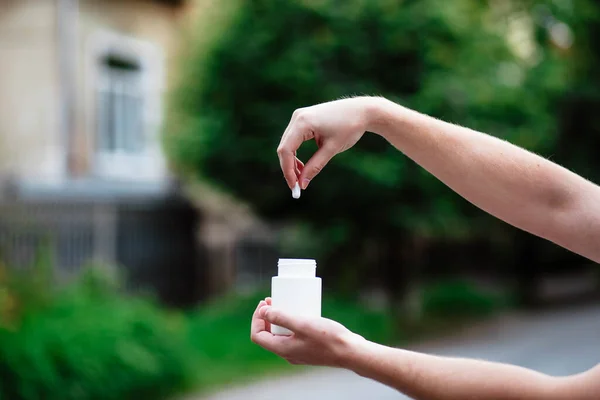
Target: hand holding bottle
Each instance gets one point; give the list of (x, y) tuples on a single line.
[(316, 341)]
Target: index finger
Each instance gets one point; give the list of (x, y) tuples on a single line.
[(291, 141), (262, 337)]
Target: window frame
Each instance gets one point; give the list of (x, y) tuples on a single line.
[(147, 164)]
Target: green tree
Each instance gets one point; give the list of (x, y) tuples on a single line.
[(483, 65)]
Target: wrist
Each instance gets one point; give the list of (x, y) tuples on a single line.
[(379, 115), (350, 352)]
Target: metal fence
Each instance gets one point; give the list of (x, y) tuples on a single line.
[(152, 240)]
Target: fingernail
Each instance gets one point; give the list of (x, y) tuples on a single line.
[(305, 183)]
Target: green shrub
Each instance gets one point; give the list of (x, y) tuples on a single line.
[(243, 75), (88, 341), (377, 326), (456, 298), (220, 336)]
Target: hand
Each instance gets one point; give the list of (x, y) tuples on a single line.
[(316, 341), (336, 126)]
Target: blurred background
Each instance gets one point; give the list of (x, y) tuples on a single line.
[(142, 208)]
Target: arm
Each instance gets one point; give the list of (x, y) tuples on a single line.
[(504, 180), (424, 376), (319, 341), (508, 182)]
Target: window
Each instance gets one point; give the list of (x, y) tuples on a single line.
[(120, 106), (124, 89)]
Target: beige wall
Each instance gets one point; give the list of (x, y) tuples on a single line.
[(147, 22), (30, 143)]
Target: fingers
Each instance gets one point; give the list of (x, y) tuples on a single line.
[(258, 324), (287, 160), (296, 133), (283, 346), (268, 301), (260, 331), (316, 163), (296, 324), (280, 345), (299, 168)]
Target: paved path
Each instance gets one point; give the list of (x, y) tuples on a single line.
[(557, 342)]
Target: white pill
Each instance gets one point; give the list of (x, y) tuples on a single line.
[(296, 191)]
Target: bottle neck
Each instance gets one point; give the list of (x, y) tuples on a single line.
[(297, 268)]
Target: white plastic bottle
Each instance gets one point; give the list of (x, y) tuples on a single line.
[(296, 290)]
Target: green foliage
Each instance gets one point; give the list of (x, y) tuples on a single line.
[(457, 298), (376, 326), (453, 60), (87, 341), (25, 290), (579, 120), (220, 336), (90, 341)]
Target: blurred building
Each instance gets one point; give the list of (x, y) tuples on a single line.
[(82, 87)]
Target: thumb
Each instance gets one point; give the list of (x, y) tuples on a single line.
[(316, 163), (280, 318)]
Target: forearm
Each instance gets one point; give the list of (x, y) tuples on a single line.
[(508, 182), (423, 376)]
